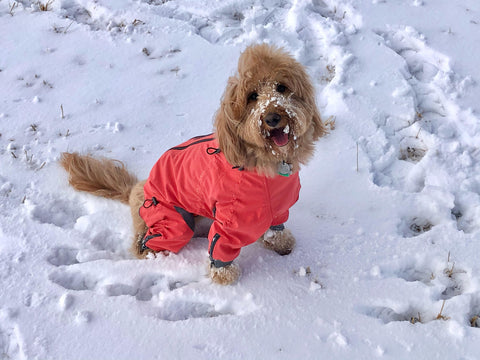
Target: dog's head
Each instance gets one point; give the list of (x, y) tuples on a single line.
[(268, 113)]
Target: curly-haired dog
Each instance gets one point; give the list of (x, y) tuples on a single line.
[(244, 177)]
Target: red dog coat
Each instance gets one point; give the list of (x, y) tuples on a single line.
[(195, 178)]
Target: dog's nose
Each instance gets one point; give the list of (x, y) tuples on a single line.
[(272, 119)]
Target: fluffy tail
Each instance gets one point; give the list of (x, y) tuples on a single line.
[(101, 177)]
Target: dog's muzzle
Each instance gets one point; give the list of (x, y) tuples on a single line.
[(279, 135)]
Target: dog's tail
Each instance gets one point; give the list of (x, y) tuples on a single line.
[(101, 177)]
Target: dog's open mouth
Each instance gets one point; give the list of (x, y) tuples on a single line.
[(280, 136)]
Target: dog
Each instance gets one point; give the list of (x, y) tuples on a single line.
[(243, 177)]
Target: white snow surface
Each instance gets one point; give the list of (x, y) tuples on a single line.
[(387, 258)]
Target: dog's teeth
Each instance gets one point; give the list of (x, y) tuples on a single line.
[(286, 130)]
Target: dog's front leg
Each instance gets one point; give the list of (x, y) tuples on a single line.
[(225, 275), (278, 239)]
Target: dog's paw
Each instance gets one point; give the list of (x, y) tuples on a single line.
[(225, 275), (282, 242)]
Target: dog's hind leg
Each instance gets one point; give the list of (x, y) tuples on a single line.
[(139, 227)]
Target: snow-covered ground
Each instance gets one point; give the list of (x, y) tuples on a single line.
[(387, 263)]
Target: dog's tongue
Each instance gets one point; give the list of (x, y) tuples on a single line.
[(279, 137)]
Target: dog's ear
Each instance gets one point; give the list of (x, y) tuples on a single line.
[(307, 91), (227, 120), (302, 85), (319, 129)]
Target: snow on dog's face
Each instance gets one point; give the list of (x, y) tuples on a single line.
[(268, 114)]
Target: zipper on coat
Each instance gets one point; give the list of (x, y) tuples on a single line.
[(202, 139)]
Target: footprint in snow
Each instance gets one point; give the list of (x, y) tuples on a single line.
[(415, 226), (178, 310), (49, 209), (426, 96), (449, 279), (388, 315), (171, 300), (63, 256), (11, 341), (441, 281), (474, 313), (142, 288)]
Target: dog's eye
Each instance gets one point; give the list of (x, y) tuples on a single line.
[(253, 96), (281, 88)]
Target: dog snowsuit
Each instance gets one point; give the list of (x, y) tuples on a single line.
[(195, 178)]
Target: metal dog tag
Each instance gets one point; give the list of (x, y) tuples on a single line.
[(284, 169)]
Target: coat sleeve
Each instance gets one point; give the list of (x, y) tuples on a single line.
[(280, 219), (236, 225)]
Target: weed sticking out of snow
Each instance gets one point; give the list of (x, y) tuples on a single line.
[(45, 6), (475, 321), (420, 226)]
